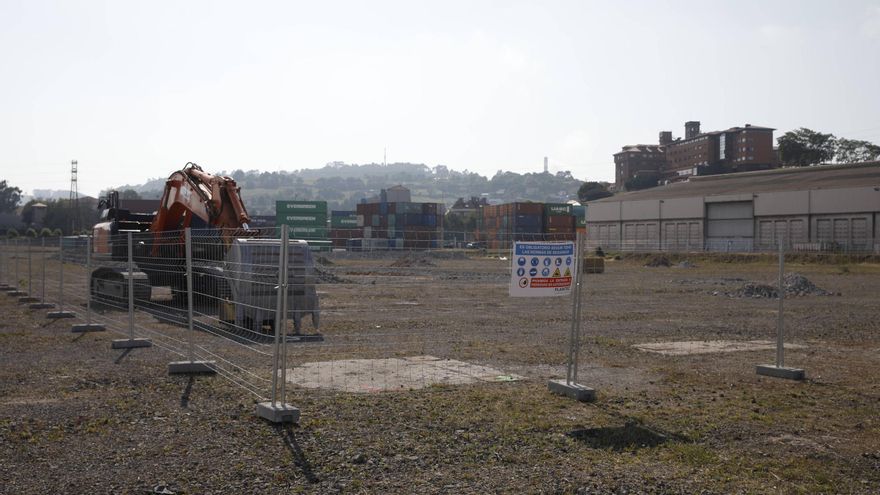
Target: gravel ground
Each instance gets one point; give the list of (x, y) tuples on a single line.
[(78, 417)]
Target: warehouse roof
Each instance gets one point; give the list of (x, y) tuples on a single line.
[(783, 179)]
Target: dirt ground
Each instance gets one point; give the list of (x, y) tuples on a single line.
[(78, 417)]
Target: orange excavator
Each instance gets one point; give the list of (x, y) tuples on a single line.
[(211, 206)]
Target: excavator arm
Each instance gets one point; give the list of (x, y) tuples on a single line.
[(196, 199)]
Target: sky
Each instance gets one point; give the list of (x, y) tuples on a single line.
[(133, 90)]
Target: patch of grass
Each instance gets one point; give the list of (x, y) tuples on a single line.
[(691, 454)]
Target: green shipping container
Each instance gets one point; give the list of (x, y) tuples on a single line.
[(308, 232), (296, 206), (350, 222), (309, 219)]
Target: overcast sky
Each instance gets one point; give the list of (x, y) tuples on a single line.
[(135, 89)]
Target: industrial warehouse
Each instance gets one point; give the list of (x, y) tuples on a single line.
[(824, 208)]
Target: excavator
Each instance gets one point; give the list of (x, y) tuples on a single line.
[(232, 264)]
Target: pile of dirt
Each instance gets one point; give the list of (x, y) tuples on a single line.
[(323, 276), (656, 261), (752, 289), (685, 264), (412, 259), (322, 260), (794, 284)]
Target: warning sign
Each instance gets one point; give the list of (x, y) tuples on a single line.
[(549, 255)]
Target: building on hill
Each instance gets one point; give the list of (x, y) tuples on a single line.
[(645, 161), (737, 149), (821, 208)]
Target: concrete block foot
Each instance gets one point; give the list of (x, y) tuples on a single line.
[(87, 327), (41, 305), (130, 343), (28, 299), (780, 372), (576, 391), (17, 293), (55, 315), (278, 413), (191, 367)]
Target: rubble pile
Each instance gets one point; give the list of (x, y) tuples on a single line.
[(798, 285), (658, 261), (794, 285), (324, 276), (412, 259)]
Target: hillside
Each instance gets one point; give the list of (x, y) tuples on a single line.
[(344, 185)]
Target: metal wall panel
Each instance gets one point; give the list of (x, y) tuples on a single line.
[(728, 211), (730, 226), (606, 211), (792, 230), (848, 200), (605, 235), (640, 210), (782, 203), (679, 208), (843, 231), (641, 236)]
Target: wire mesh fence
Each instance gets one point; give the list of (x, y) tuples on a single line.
[(285, 318), (868, 245)]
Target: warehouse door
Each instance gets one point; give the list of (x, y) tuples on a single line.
[(730, 226)]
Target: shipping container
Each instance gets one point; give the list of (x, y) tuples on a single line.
[(559, 221), (297, 206), (555, 209), (311, 219)]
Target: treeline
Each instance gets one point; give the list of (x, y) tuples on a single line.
[(344, 185)]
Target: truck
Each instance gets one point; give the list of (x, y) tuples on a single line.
[(231, 263)]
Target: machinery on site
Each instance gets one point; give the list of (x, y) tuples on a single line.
[(234, 267)]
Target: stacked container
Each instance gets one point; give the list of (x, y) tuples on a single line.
[(503, 224), (405, 224), (344, 226), (559, 223), (307, 219), (580, 218)]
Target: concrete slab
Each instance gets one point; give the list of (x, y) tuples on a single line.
[(41, 305), (576, 391), (87, 327), (28, 300), (687, 348), (278, 413), (191, 367), (780, 372), (17, 293), (130, 343), (392, 374), (56, 315)]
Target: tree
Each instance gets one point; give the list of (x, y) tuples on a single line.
[(129, 194), (9, 197), (804, 147), (640, 182), (591, 191), (854, 151)]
